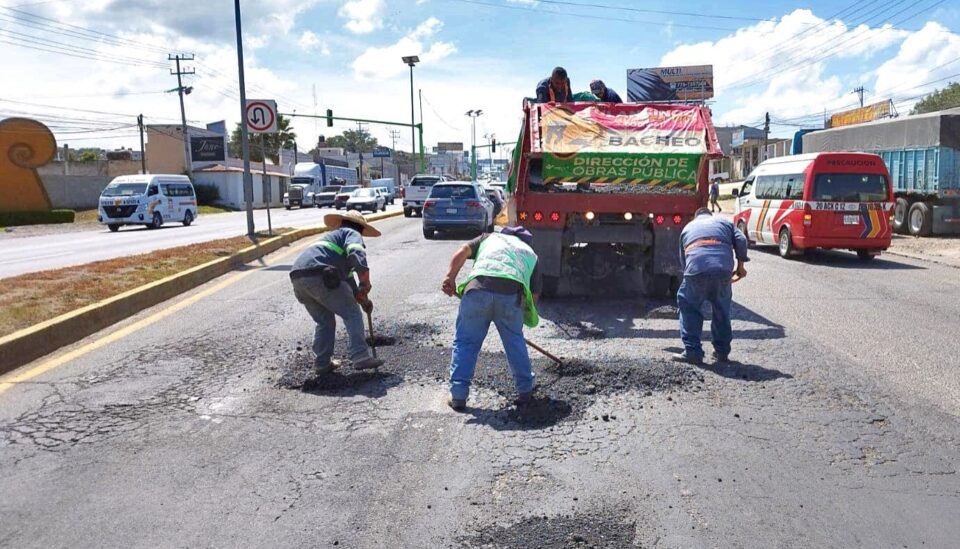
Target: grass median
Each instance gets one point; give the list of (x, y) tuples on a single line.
[(31, 298)]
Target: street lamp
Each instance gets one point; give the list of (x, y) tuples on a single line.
[(412, 60), (473, 114)]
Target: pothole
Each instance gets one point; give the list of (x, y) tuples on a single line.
[(593, 529)]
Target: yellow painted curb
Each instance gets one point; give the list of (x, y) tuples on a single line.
[(28, 344)]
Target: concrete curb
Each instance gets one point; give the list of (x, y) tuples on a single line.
[(24, 346)]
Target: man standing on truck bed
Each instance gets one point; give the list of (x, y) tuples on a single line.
[(603, 93), (502, 288), (707, 247), (555, 89), (322, 279)]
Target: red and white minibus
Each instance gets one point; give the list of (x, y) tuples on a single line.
[(830, 200)]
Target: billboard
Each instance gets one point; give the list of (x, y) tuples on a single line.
[(863, 114), (658, 145), (694, 83), (450, 146), (207, 149), (737, 139)]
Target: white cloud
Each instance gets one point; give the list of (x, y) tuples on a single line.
[(309, 41), (783, 66), (926, 56), (363, 16), (378, 63)]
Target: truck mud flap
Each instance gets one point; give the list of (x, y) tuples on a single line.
[(549, 247), (666, 251), (946, 219)]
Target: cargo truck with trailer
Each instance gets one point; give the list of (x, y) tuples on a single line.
[(922, 154), (606, 189)]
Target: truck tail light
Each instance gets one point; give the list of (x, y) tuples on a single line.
[(538, 216), (659, 219), (677, 219), (807, 216), (555, 216), (590, 216), (628, 216), (522, 216)]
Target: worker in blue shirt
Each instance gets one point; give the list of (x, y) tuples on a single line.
[(603, 93), (323, 282), (708, 246), (555, 89)]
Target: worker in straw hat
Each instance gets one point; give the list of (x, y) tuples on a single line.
[(323, 282)]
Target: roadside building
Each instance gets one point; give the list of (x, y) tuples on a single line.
[(228, 179), (165, 149)]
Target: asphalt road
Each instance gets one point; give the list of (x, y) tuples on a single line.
[(198, 424), (25, 254)]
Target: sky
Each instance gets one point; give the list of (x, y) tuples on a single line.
[(88, 67)]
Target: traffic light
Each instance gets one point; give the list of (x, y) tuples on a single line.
[(493, 145), (329, 118)]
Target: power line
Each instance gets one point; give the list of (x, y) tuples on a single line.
[(643, 10)]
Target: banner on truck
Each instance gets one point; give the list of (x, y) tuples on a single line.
[(693, 83), (606, 143), (863, 114)]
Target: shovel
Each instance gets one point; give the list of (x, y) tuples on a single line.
[(373, 340)]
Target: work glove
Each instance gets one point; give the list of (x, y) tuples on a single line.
[(366, 305)]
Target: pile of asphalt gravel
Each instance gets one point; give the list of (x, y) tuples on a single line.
[(628, 188), (593, 529), (564, 392)]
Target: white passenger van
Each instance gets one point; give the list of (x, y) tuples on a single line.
[(149, 200)]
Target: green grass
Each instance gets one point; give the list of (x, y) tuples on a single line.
[(209, 210), (11, 219)]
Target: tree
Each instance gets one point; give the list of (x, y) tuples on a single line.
[(89, 156), (947, 98), (284, 137), (352, 141)]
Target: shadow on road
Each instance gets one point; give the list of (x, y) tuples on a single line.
[(583, 319), (733, 369), (540, 413), (843, 260)]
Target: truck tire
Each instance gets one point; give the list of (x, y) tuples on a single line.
[(187, 219), (113, 227), (551, 286), (742, 227), (901, 213), (428, 233), (921, 219), (157, 221), (287, 207), (865, 255), (407, 212)]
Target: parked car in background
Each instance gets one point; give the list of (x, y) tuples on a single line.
[(389, 186), (417, 192), (340, 201), (366, 199), (327, 195), (149, 200), (457, 206), (387, 194)]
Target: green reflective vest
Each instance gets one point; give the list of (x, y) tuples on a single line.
[(503, 256)]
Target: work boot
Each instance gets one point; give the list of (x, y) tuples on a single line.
[(523, 399), (688, 358), (330, 366), (720, 359), (458, 404), (368, 363)]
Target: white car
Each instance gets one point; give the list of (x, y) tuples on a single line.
[(367, 199), (416, 193)]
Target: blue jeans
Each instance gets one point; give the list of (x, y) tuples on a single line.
[(694, 291), (478, 309), (324, 306)]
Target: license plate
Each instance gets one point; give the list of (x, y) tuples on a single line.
[(451, 210), (851, 220)]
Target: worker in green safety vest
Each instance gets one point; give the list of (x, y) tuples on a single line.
[(502, 288), (323, 281)]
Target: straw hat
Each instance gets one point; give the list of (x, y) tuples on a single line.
[(335, 220)]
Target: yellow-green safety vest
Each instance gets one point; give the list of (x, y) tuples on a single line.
[(504, 256)]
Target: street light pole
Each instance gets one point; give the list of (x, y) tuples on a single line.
[(412, 60), (473, 114)]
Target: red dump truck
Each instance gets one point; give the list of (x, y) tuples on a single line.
[(606, 189)]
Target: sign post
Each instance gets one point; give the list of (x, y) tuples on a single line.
[(260, 116)]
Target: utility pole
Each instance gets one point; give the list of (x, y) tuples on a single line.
[(143, 151), (394, 135), (360, 147), (859, 91), (244, 136), (766, 136), (183, 113), (411, 60), (265, 183)]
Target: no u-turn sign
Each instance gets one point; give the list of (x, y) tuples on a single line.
[(261, 115)]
